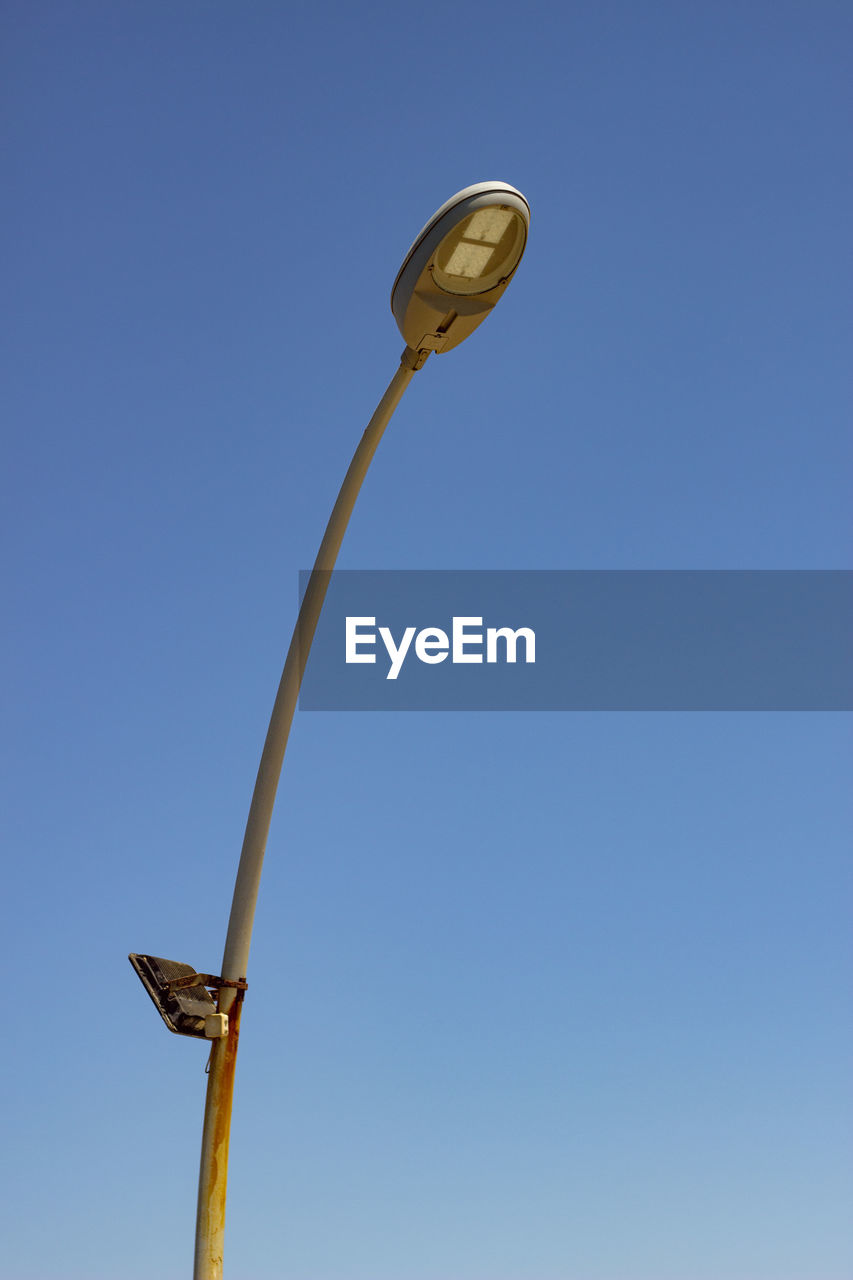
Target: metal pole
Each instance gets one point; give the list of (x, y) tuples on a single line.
[(213, 1174)]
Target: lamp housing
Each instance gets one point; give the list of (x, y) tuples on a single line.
[(460, 265)]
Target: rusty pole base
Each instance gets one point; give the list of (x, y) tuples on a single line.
[(213, 1180)]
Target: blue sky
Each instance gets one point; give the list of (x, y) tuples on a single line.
[(533, 996)]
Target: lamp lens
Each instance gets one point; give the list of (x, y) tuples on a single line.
[(480, 252)]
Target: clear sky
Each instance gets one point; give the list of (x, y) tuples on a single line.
[(533, 996)]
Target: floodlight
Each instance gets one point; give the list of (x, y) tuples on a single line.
[(181, 996)]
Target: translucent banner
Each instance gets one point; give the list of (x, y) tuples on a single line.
[(565, 640)]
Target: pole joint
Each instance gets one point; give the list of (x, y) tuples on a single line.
[(414, 360)]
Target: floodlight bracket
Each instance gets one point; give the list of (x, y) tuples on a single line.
[(205, 980)]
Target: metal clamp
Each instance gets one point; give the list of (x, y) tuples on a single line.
[(205, 980)]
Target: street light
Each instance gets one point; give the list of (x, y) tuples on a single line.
[(450, 280), (460, 265)]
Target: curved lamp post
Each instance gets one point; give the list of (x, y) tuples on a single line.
[(450, 280)]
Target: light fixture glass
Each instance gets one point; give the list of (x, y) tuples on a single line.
[(480, 251)]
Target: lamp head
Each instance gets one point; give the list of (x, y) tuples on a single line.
[(460, 265)]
